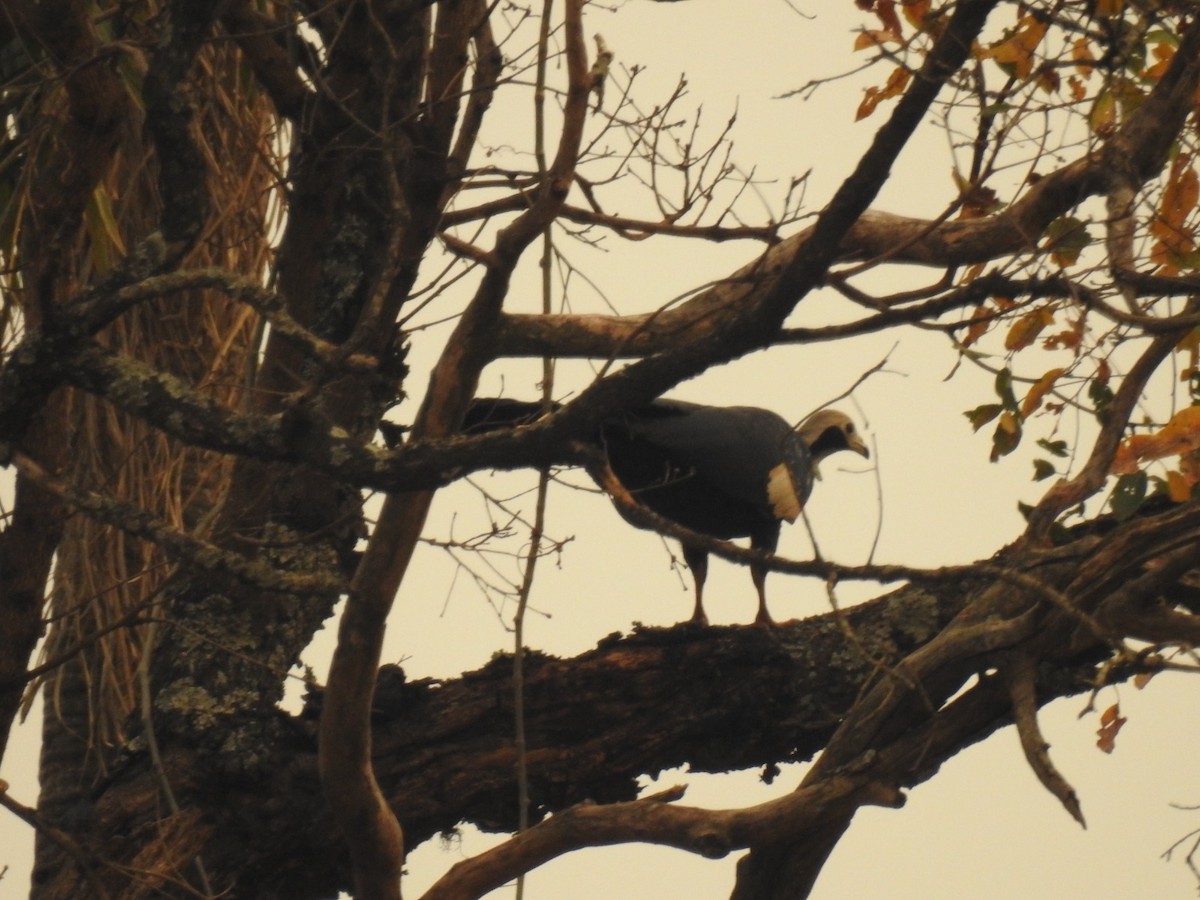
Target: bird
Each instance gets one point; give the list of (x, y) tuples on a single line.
[(723, 471)]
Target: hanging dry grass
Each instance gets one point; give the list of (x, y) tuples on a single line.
[(102, 575)]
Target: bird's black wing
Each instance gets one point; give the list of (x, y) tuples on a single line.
[(737, 449)]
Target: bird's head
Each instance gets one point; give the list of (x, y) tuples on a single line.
[(828, 431)]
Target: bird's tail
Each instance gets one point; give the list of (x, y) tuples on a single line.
[(495, 413)]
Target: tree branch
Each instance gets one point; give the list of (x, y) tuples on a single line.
[(258, 36), (1068, 493), (712, 834), (347, 774), (169, 114), (1020, 675), (1138, 150), (193, 552)]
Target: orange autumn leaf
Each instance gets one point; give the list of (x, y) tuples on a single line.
[(886, 11), (1179, 488), (1048, 79), (1081, 53), (981, 321), (1189, 466), (1170, 223), (1025, 330), (916, 11), (1041, 387), (1125, 461), (1017, 50), (1179, 436), (873, 96), (870, 100), (1070, 338), (874, 38), (1111, 723), (1163, 53), (1179, 199)]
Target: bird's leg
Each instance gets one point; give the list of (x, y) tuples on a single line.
[(759, 575), (697, 561), (766, 541)]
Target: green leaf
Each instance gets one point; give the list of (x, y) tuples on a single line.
[(1054, 448), (1162, 36), (1065, 237), (1101, 395), (1042, 469), (1102, 117), (981, 415), (971, 353), (107, 246), (1128, 495), (1007, 435), (1004, 389), (1135, 58), (133, 77)]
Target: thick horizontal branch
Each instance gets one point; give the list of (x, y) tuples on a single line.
[(187, 414), (182, 411), (444, 750), (173, 405)]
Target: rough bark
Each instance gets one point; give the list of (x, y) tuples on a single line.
[(658, 698)]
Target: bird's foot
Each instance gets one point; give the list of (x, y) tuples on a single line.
[(764, 619)]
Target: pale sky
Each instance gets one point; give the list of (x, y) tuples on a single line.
[(983, 828)]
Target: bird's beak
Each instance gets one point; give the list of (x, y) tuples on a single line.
[(858, 446)]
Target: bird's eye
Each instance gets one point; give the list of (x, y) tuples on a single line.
[(850, 428)]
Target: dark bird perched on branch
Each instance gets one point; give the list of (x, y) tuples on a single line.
[(728, 472)]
